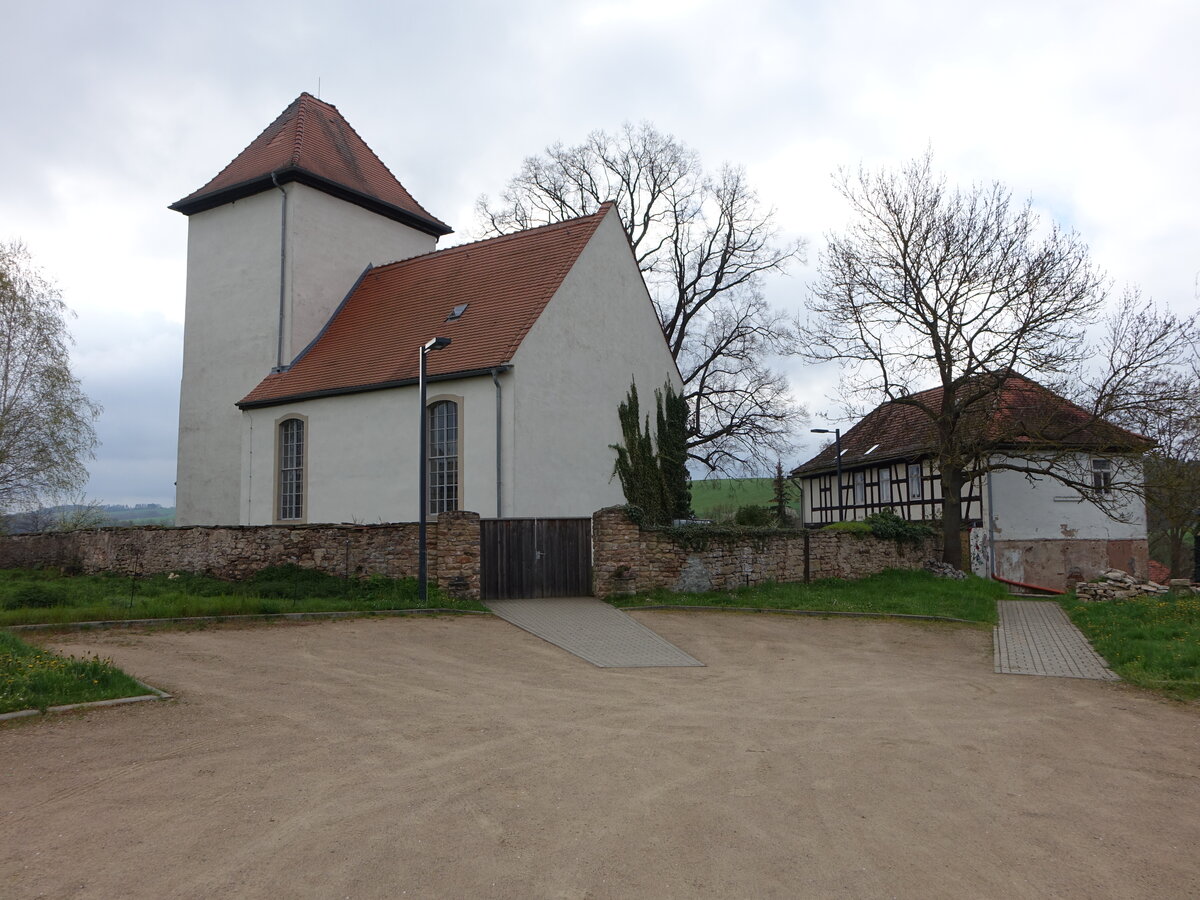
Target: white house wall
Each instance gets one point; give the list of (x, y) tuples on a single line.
[(1044, 533), (597, 334), (1042, 508)]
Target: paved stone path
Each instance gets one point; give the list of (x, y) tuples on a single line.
[(592, 630), (1035, 637)]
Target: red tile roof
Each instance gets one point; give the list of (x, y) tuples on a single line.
[(1022, 413), (312, 143), (372, 341)]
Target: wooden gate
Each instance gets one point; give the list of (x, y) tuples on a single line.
[(522, 558)]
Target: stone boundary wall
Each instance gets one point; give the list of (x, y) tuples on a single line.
[(234, 552), (626, 558)]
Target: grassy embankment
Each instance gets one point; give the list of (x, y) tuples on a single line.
[(28, 597), (906, 593), (1153, 642), (720, 498), (32, 678)]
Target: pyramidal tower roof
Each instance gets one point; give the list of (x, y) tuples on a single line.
[(311, 143)]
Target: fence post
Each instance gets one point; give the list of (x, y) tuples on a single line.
[(807, 563)]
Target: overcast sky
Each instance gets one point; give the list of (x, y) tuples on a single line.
[(117, 109)]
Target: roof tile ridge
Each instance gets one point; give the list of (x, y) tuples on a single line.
[(386, 168), (495, 239), (225, 168), (298, 134)]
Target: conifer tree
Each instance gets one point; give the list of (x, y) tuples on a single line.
[(672, 453)]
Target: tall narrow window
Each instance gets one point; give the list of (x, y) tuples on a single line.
[(915, 487), (885, 485), (291, 469), (860, 488), (443, 456), (1102, 475)]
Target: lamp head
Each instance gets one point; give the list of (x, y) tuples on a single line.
[(437, 343)]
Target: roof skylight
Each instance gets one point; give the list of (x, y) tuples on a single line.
[(457, 312)]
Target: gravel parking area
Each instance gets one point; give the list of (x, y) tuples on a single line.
[(462, 757)]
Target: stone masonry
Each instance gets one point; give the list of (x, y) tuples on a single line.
[(624, 556), (236, 552), (627, 558)]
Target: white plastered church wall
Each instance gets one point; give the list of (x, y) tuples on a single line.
[(232, 319), (597, 334), (361, 454)]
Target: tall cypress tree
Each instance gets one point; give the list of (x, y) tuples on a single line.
[(672, 453), (637, 466), (653, 470)]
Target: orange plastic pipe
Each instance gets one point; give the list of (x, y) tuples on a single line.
[(1032, 587)]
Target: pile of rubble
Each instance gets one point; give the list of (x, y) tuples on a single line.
[(942, 569), (1118, 585)]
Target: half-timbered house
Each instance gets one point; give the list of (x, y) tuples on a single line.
[(1022, 527)]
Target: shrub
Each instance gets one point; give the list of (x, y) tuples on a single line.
[(886, 524), (851, 527), (754, 516)]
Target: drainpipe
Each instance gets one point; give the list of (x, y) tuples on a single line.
[(282, 272), (499, 446), (250, 475), (991, 526)]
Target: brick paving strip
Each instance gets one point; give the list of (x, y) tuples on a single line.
[(1035, 637), (592, 630)]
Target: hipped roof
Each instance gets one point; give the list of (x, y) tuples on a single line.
[(1020, 414), (372, 340), (313, 144)]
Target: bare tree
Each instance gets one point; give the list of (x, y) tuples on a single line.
[(962, 290), (46, 430), (1173, 465), (703, 243)]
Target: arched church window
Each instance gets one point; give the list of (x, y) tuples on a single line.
[(291, 470), (443, 456)]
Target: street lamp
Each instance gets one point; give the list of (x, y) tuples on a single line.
[(423, 489), (837, 444)]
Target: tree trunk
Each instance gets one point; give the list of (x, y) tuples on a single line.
[(1179, 567), (952, 484)]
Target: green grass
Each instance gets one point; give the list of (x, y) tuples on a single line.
[(911, 593), (34, 597), (719, 498), (1153, 642), (32, 678)]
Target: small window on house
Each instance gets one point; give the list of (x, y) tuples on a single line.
[(860, 488), (1102, 475), (443, 456), (885, 485), (915, 486), (291, 470), (457, 312)]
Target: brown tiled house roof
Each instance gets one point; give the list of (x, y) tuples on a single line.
[(313, 144), (372, 341), (1022, 414)]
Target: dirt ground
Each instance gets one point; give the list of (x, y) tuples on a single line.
[(460, 757)]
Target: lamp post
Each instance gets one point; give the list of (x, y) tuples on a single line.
[(837, 445), (423, 457)]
